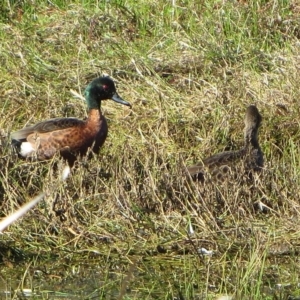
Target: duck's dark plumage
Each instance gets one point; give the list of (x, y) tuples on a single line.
[(250, 155), (70, 136)]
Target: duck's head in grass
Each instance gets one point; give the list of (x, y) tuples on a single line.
[(70, 136)]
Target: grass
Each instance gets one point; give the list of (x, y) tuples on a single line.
[(120, 226)]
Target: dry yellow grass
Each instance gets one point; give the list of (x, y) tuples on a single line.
[(189, 70)]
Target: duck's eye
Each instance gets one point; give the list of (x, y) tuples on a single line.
[(105, 87)]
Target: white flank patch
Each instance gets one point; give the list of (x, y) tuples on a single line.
[(66, 172), (26, 149), (204, 251)]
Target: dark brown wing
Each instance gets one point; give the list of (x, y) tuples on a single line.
[(47, 126), (215, 161), (227, 157)]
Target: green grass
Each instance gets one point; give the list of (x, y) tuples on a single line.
[(118, 227)]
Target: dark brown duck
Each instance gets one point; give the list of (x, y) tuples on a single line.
[(250, 156), (70, 136)]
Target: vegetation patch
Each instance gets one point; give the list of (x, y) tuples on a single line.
[(130, 223)]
